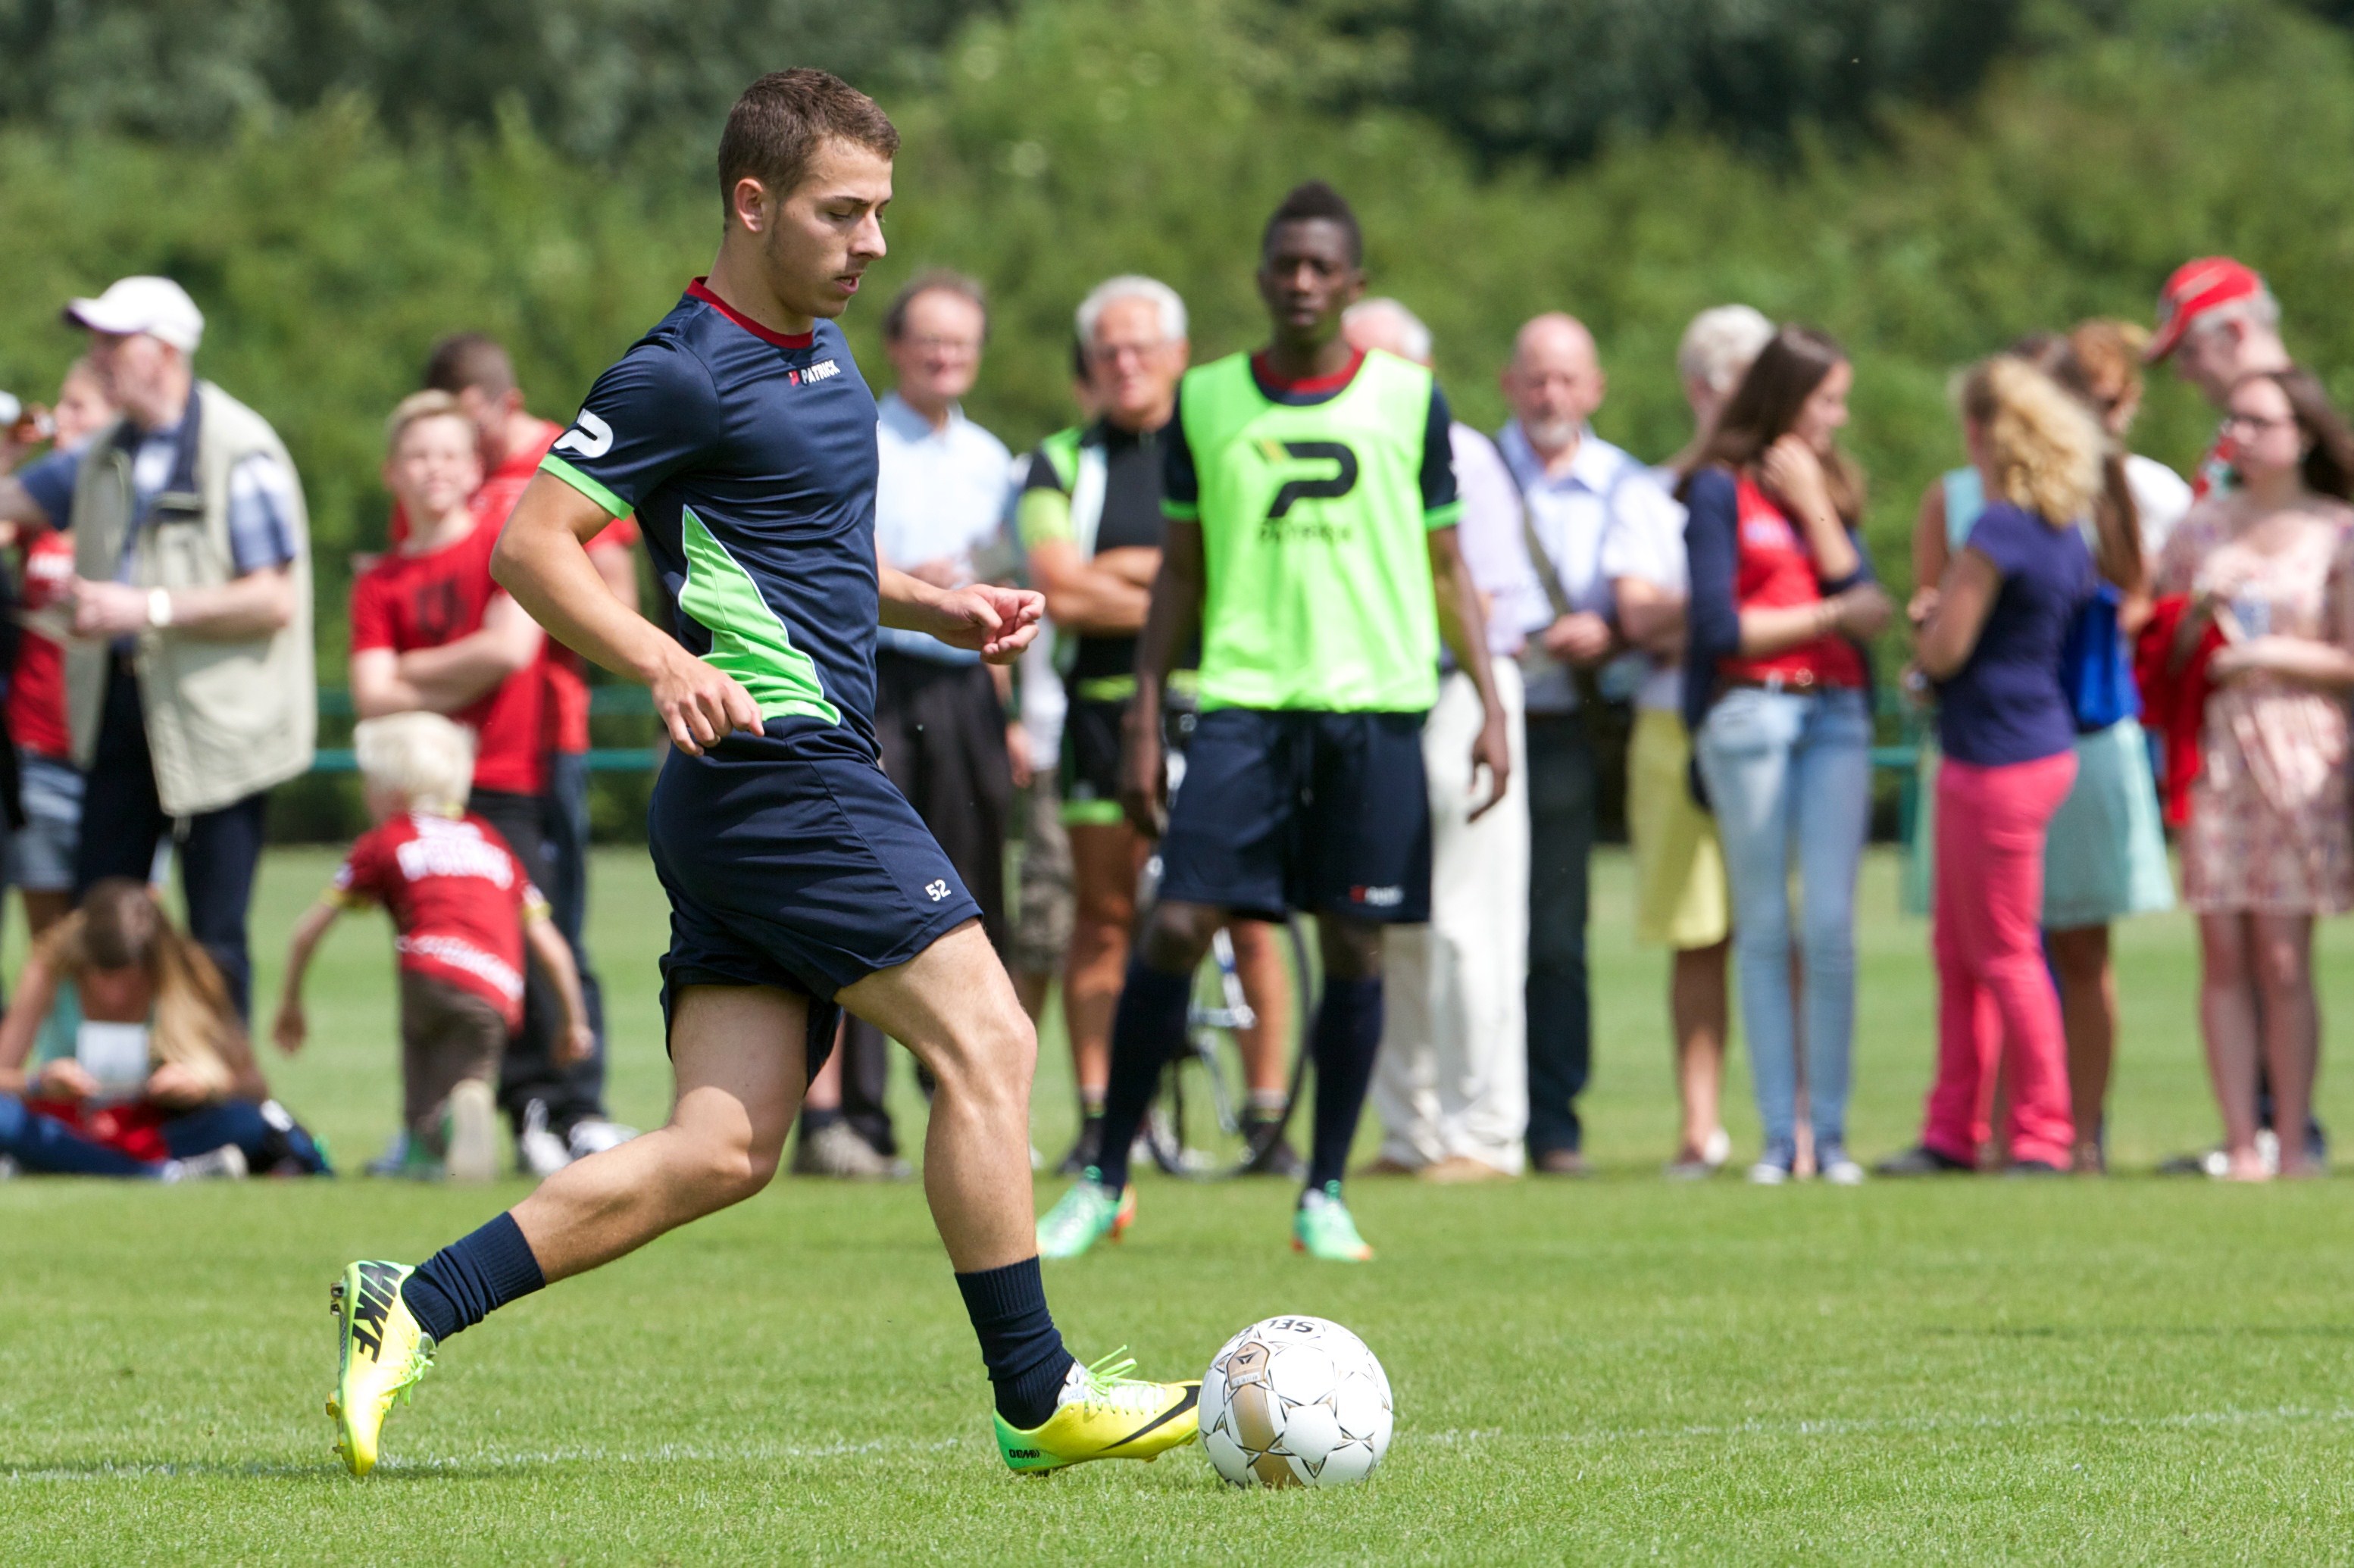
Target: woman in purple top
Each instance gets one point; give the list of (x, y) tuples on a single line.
[(1992, 644)]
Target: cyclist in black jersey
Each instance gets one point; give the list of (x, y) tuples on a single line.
[(1091, 523)]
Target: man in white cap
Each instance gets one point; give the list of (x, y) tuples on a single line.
[(189, 688)]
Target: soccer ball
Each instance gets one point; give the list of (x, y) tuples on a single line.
[(1295, 1402)]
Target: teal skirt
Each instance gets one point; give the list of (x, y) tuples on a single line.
[(2104, 856)]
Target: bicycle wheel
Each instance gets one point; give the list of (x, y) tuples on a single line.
[(1198, 1128)]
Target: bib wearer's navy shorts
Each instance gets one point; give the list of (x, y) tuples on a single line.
[(1326, 812), (793, 860)]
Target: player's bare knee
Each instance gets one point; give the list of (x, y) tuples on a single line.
[(1352, 949), (1177, 936), (988, 1061)]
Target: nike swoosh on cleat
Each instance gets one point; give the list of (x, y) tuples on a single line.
[(1192, 1397)]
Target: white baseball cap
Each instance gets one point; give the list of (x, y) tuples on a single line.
[(156, 306)]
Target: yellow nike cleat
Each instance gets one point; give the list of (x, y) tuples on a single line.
[(1104, 1413), (383, 1353)]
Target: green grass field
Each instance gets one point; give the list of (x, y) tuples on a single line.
[(2128, 1370)]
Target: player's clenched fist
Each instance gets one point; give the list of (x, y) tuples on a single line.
[(700, 705)]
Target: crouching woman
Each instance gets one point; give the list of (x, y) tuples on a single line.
[(155, 1079)]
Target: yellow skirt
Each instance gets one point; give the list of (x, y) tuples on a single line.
[(1681, 897)]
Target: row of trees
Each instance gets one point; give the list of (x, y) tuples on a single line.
[(1059, 141)]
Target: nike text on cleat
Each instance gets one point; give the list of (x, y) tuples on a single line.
[(1085, 1215), (1104, 1413), (383, 1352), (1323, 1228)]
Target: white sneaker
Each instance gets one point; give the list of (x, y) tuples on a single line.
[(538, 1151), (470, 1133), (2267, 1151), (7, 1168), (1843, 1171), (597, 1135), (1768, 1173), (226, 1163)]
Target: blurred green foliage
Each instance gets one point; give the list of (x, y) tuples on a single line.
[(1559, 79), (609, 80), (1054, 142)]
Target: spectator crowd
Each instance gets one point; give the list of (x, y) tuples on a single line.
[(2111, 653)]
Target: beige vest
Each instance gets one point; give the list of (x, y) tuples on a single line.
[(226, 717)]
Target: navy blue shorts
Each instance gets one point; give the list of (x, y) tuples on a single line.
[(794, 862), (1319, 811)]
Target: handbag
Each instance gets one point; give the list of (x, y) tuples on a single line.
[(2093, 671)]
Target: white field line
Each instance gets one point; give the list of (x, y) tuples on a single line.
[(762, 1453), (1924, 1426)]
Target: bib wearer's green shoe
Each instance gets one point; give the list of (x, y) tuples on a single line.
[(383, 1353), (1323, 1228), (1104, 1413), (1085, 1215)]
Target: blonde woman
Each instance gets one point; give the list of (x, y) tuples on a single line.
[(160, 1082), (1991, 641)]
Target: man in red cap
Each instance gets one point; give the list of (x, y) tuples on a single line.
[(2220, 323)]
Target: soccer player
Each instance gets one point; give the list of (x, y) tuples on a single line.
[(742, 436), (1310, 495)]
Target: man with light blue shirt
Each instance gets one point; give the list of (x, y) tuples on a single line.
[(940, 713), (1573, 485)]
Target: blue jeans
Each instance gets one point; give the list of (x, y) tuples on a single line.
[(269, 1139), (1785, 771)]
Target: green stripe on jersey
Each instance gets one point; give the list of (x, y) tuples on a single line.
[(587, 486), (749, 640)]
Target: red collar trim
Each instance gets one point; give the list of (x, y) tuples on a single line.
[(1310, 385), (697, 291)]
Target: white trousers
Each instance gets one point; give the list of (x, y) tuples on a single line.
[(1452, 1078)]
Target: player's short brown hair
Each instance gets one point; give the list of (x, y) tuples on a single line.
[(470, 359), (776, 128)]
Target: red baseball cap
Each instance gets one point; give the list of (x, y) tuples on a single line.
[(2196, 288)]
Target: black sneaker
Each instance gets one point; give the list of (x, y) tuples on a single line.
[(2029, 1170), (1923, 1160), (1083, 1151)]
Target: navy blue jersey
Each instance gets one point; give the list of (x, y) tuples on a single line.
[(749, 459)]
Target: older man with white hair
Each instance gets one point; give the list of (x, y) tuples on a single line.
[(1681, 901), (189, 687), (1451, 1082), (1574, 484)]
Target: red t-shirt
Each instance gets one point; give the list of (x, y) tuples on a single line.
[(564, 712), (37, 692), (1775, 570), (458, 898), (406, 603)]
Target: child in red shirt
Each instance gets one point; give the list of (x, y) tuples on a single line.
[(464, 912)]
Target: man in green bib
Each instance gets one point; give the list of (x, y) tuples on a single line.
[(1310, 501)]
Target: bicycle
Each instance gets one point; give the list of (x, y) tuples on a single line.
[(1197, 1127)]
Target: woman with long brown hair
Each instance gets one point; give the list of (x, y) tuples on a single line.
[(159, 1081), (1776, 694), (2268, 845)]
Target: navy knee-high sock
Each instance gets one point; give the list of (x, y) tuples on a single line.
[(1147, 1029), (471, 1278), (1348, 1033), (1019, 1342)]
